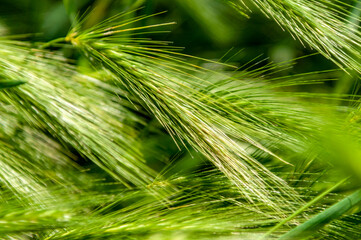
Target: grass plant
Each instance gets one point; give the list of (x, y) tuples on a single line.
[(109, 134)]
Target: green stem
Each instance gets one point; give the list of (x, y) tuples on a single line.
[(303, 208), (331, 213), (48, 44)]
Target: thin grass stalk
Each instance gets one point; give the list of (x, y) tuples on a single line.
[(332, 213), (303, 208)]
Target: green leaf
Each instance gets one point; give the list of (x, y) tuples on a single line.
[(10, 83), (328, 215)]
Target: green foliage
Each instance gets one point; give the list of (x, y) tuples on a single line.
[(327, 26), (115, 135), (10, 83)]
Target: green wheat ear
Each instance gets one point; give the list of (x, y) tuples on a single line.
[(329, 27), (165, 84)]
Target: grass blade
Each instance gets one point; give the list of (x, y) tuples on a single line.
[(10, 83), (324, 217)]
